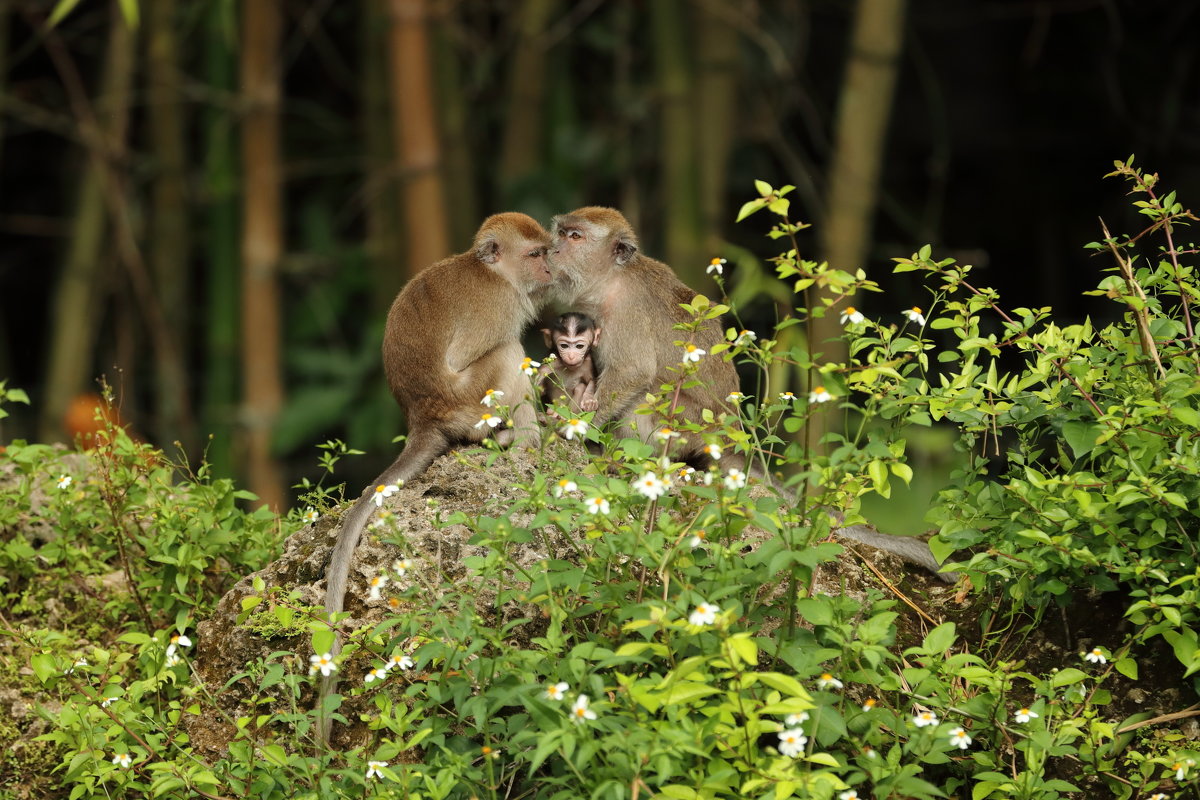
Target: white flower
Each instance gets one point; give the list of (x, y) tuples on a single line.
[(851, 316), (787, 397), (849, 794), (1024, 715), (491, 420), (960, 739), (573, 428), (685, 474), (915, 314), (1181, 768), (827, 681), (869, 704), (398, 661), (692, 353), (703, 614), (650, 486), (795, 720), (375, 769), (735, 397), (713, 451), (665, 434), (108, 701), (401, 566), (529, 366), (310, 516), (1096, 656), (1160, 796), (383, 519), (580, 711), (376, 583), (375, 674), (717, 265), (122, 759), (563, 486), (735, 479), (492, 397), (322, 664), (556, 691), (792, 742), (745, 338), (819, 394), (181, 640), (173, 659), (697, 539), (82, 662), (63, 483), (925, 718), (709, 475), (382, 491), (596, 505)]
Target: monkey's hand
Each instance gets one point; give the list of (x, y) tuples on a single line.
[(589, 404)]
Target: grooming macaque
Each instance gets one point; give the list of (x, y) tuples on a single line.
[(571, 377), (452, 334), (636, 301)]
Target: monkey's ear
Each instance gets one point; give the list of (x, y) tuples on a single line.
[(549, 340), (595, 336), (624, 248), (487, 249)]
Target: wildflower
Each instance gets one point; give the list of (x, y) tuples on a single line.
[(377, 583), (735, 397), (179, 639), (322, 664), (703, 614), (399, 661), (310, 516), (915, 314), (556, 691), (925, 718), (529, 366), (1160, 796), (401, 566), (596, 505), (819, 394), (1024, 715), (491, 420), (563, 486), (375, 674), (122, 759), (64, 481), (1096, 656), (791, 742), (492, 397), (787, 397), (573, 428), (697, 539), (709, 475), (736, 479), (82, 662), (692, 353), (869, 752), (1181, 768), (685, 474), (173, 659), (827, 681), (851, 316), (650, 486), (580, 711), (383, 519), (717, 265), (665, 434), (713, 451), (745, 338), (870, 704), (960, 739), (108, 701), (375, 769), (382, 491), (488, 752), (849, 794), (795, 720)]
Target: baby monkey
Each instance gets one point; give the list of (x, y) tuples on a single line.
[(571, 376)]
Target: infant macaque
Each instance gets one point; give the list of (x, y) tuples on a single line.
[(571, 376)]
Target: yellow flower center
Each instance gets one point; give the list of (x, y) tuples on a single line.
[(851, 310), (916, 309), (818, 390)]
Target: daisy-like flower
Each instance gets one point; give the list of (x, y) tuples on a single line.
[(735, 397), (596, 505), (310, 516), (556, 691), (529, 366), (703, 614), (492, 397), (713, 451), (401, 566), (322, 664), (915, 314), (849, 794), (787, 397), (1096, 656), (745, 338), (580, 711), (666, 434), (108, 701), (698, 538), (735, 479), (179, 640), (650, 486), (82, 662), (173, 659), (375, 769), (819, 394), (573, 428), (684, 474), (709, 475), (383, 519), (869, 752), (377, 583), (851, 316), (692, 353), (870, 704), (399, 661), (716, 266), (563, 486), (960, 739), (1160, 796), (122, 760), (792, 742), (1181, 768), (491, 420), (382, 491), (1024, 715), (827, 681), (795, 720), (64, 481), (925, 718), (375, 674)]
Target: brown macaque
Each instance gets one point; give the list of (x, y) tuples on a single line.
[(453, 333), (572, 373), (636, 301)]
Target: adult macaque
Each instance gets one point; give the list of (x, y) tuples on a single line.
[(572, 373), (452, 334), (636, 301)]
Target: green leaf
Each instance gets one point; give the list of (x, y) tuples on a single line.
[(1127, 667), (61, 10), (941, 638), (1067, 677), (43, 666), (1081, 436), (763, 188)]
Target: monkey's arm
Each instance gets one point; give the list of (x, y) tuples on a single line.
[(469, 344), (912, 550)]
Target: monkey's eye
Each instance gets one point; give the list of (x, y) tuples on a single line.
[(575, 235)]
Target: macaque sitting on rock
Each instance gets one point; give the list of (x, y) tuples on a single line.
[(571, 376)]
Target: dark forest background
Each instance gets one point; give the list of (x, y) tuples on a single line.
[(210, 204)]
